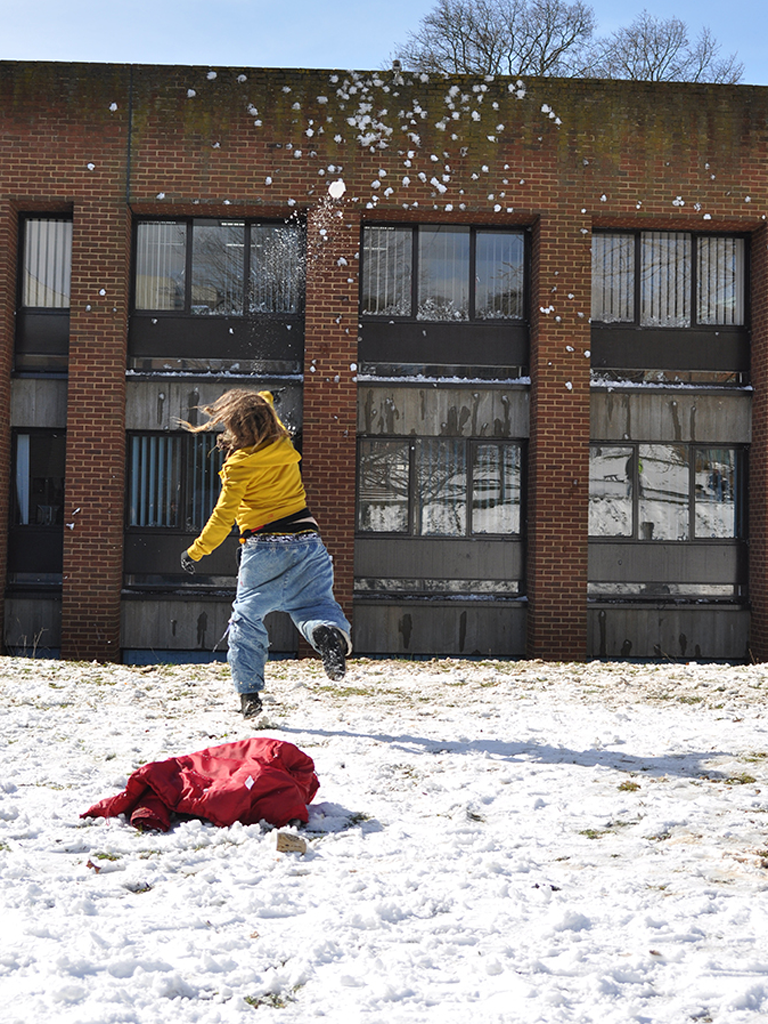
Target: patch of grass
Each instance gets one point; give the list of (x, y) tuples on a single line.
[(594, 833), (347, 691), (689, 699), (629, 786), (107, 856), (740, 780), (755, 757), (274, 1000)]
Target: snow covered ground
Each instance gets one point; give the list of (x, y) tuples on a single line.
[(492, 841)]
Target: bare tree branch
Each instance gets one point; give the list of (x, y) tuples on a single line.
[(554, 37)]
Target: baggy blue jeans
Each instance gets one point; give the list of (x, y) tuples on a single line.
[(291, 574)]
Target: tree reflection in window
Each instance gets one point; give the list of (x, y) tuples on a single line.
[(439, 487)]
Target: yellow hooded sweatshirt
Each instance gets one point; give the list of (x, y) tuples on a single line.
[(258, 486)]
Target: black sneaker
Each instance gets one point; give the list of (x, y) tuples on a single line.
[(331, 645), (250, 704)]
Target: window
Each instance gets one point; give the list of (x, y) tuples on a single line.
[(39, 479), (443, 273), (36, 534), (439, 487), (173, 480), (45, 272), (219, 268), (665, 492), (668, 279)]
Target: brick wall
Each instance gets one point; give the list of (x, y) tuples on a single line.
[(561, 157)]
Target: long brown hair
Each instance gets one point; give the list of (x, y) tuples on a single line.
[(248, 420)]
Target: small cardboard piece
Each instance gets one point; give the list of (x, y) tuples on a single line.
[(287, 843)]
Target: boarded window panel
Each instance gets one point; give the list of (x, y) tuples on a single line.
[(720, 280), (496, 480), (160, 264), (443, 291), (387, 271), (383, 474), (277, 268), (613, 278), (499, 275), (441, 487), (665, 279), (47, 263), (610, 491)]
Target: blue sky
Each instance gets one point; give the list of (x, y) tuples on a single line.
[(331, 34)]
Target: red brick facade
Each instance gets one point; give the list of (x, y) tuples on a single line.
[(111, 143)]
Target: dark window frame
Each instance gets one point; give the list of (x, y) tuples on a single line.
[(471, 444), (740, 495), (271, 342), (42, 332), (698, 347), (397, 345), (35, 550)]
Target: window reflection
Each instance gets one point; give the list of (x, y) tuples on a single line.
[(715, 492), (663, 507), (383, 486), (610, 491)]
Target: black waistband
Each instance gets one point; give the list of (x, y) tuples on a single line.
[(297, 522)]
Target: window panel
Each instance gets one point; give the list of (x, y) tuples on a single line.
[(610, 491), (613, 278), (715, 492), (218, 251), (160, 264), (47, 262), (277, 268), (422, 487), (387, 271), (720, 280), (443, 290), (663, 492), (39, 479), (383, 487), (173, 480), (441, 487), (496, 489), (665, 279), (499, 277)]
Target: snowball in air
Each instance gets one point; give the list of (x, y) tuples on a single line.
[(336, 189)]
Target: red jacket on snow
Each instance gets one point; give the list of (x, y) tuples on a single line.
[(247, 781)]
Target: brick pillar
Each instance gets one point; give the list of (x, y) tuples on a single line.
[(758, 456), (558, 477), (330, 388), (8, 242), (95, 469)]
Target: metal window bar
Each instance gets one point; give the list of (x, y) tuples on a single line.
[(613, 278), (665, 261), (386, 271), (720, 280), (47, 263)]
